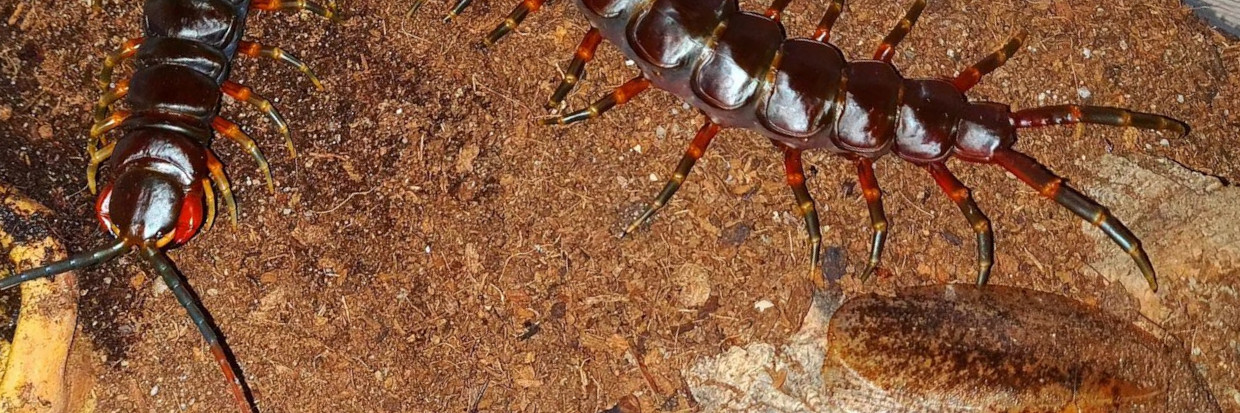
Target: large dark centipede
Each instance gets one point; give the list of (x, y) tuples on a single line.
[(163, 165), (740, 70)]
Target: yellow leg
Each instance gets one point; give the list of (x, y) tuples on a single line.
[(97, 158), (234, 133), (221, 181)]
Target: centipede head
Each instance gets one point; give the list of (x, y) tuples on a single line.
[(147, 206)]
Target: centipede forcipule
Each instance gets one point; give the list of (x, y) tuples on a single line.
[(741, 71), (163, 166)]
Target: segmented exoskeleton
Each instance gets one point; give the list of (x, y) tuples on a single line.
[(163, 165), (740, 70)]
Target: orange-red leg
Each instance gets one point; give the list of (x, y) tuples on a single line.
[(127, 50), (513, 20), (878, 216), (795, 174), (620, 96), (576, 68), (254, 49), (823, 32), (696, 149), (887, 49), (961, 195), (247, 95), (971, 76), (297, 5), (233, 132), (1046, 183)]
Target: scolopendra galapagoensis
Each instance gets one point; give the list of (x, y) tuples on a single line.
[(741, 71), (163, 166)]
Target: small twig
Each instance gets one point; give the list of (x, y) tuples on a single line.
[(345, 201)]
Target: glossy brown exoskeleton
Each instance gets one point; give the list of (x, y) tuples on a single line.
[(741, 71)]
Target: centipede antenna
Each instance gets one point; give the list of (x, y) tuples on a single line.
[(513, 20), (219, 350), (457, 9), (1051, 186), (76, 262), (887, 49), (823, 32), (1100, 115)]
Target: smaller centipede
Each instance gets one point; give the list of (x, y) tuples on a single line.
[(164, 170), (741, 71)]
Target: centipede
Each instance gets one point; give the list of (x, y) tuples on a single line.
[(740, 70), (165, 173)]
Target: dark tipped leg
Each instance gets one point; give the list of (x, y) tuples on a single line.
[(795, 174), (253, 49), (127, 50), (620, 96), (887, 49), (209, 197), (1073, 114), (92, 171), (696, 149), (457, 9), (969, 77), (297, 5), (219, 350), (878, 217), (234, 133), (513, 20), (1053, 187), (577, 67), (981, 225), (777, 9), (823, 32), (110, 97), (245, 94)]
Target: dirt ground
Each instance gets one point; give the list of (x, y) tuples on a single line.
[(432, 249)]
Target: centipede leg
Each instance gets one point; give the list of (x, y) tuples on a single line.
[(620, 96), (576, 68), (247, 95), (110, 97), (1074, 114), (961, 195), (696, 149), (887, 49), (795, 173), (777, 9), (92, 171), (1051, 186), (823, 32), (254, 49), (209, 198), (513, 20), (219, 350), (297, 5), (127, 50), (102, 127), (234, 133), (878, 217), (221, 182), (456, 10), (971, 76)]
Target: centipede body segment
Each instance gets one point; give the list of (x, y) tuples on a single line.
[(741, 70), (165, 176)]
